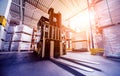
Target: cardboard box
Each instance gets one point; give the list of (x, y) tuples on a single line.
[(6, 46), (112, 41), (21, 37), (16, 46), (24, 28), (10, 29)]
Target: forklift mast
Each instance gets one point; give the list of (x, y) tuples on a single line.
[(50, 44)]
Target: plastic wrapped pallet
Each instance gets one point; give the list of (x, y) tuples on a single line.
[(6, 46), (79, 46), (114, 6), (80, 36), (10, 29), (1, 35), (98, 41), (25, 46), (16, 46), (8, 37), (112, 41), (102, 13), (24, 28), (0, 44), (2, 32), (21, 37)]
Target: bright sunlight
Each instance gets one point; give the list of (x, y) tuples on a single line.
[(81, 21)]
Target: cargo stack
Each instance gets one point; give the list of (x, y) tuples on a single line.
[(21, 40), (112, 41), (79, 42), (9, 31), (4, 19), (108, 23), (2, 32)]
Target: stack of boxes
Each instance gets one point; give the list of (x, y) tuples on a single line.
[(9, 31), (1, 36), (17, 38), (108, 18), (79, 41), (21, 40), (112, 41)]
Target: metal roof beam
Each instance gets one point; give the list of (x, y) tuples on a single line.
[(25, 15), (21, 11), (37, 6), (17, 4)]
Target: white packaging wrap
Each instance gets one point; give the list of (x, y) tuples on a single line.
[(0, 44), (16, 46), (24, 28), (1, 35), (2, 32), (6, 46), (21, 37), (8, 37), (10, 29), (112, 41)]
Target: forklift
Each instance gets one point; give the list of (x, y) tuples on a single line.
[(52, 42)]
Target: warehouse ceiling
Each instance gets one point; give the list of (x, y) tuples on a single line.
[(30, 11)]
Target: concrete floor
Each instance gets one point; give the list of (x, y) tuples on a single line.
[(27, 64)]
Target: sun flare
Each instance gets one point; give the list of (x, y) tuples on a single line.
[(82, 21)]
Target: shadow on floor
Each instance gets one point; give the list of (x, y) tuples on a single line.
[(78, 62), (16, 59), (67, 68), (113, 59), (20, 64)]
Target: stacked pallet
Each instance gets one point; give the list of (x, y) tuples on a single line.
[(114, 6), (8, 37), (107, 12), (107, 18), (112, 41), (79, 41), (1, 36), (102, 13), (21, 40), (98, 41), (17, 38)]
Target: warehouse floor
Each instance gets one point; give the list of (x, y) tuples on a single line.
[(72, 64)]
